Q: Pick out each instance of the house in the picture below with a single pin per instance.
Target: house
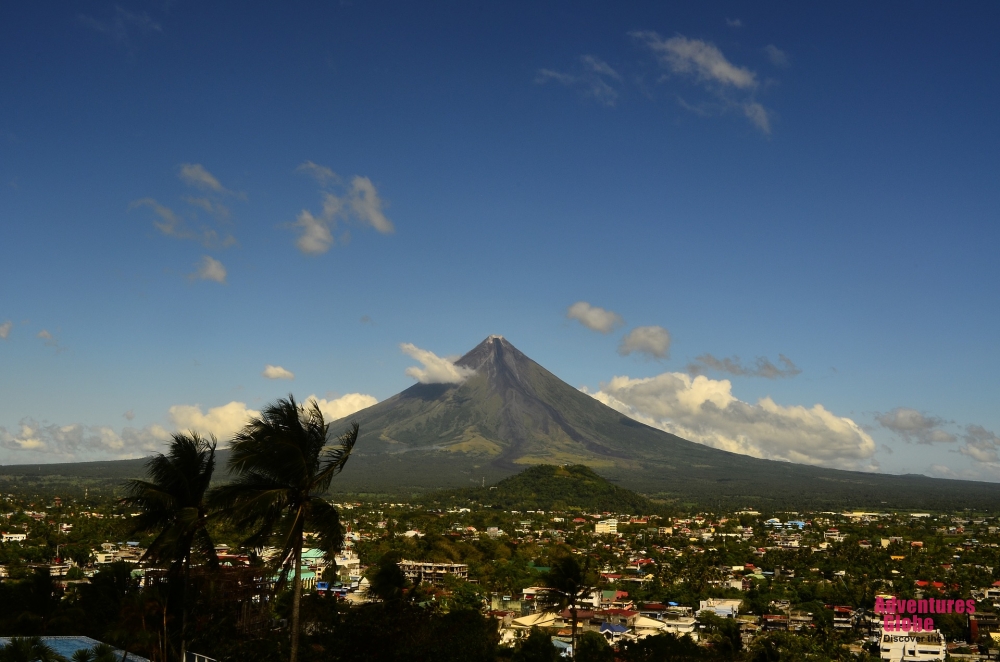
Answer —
(421, 572)
(608, 526)
(721, 607)
(13, 537)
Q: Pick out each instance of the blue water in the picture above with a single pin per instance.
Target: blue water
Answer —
(66, 646)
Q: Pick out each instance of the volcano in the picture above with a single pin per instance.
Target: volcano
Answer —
(511, 413)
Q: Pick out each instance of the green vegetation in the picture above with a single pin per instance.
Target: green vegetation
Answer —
(548, 487)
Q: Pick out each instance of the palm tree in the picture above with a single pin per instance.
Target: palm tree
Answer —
(173, 502)
(283, 465)
(568, 584)
(28, 649)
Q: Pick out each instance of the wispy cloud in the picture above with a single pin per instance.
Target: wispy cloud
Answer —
(653, 341)
(762, 367)
(734, 22)
(594, 318)
(5, 329)
(703, 63)
(209, 269)
(50, 340)
(778, 57)
(594, 77)
(195, 174)
(277, 372)
(359, 202)
(981, 445)
(122, 24)
(174, 225)
(435, 369)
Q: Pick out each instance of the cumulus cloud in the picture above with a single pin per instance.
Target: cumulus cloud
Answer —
(653, 341)
(209, 269)
(343, 406)
(762, 367)
(595, 78)
(359, 203)
(34, 440)
(277, 372)
(981, 445)
(913, 426)
(706, 411)
(778, 57)
(223, 421)
(68, 442)
(436, 369)
(5, 329)
(594, 318)
(174, 225)
(731, 85)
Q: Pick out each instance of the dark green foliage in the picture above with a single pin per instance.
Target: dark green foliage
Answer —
(379, 632)
(549, 487)
(662, 647)
(28, 649)
(536, 647)
(592, 647)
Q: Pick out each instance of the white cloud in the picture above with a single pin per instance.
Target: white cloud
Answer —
(5, 329)
(734, 366)
(129, 415)
(706, 411)
(223, 421)
(343, 406)
(360, 203)
(981, 445)
(217, 209)
(734, 22)
(651, 340)
(914, 426)
(67, 442)
(778, 57)
(209, 269)
(700, 59)
(594, 318)
(194, 174)
(277, 372)
(367, 205)
(436, 369)
(757, 114)
(316, 237)
(732, 86)
(592, 80)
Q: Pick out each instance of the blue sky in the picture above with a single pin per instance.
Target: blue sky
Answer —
(190, 192)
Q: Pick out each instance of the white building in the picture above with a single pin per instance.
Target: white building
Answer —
(14, 537)
(606, 526)
(915, 646)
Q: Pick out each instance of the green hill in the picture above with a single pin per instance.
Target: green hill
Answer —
(549, 487)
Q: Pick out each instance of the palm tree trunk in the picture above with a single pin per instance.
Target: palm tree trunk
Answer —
(572, 609)
(184, 583)
(296, 599)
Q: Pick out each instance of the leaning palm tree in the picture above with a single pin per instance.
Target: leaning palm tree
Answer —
(283, 464)
(568, 584)
(173, 503)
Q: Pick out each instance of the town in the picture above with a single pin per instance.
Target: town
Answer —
(728, 585)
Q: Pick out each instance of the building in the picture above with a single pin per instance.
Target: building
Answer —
(14, 537)
(912, 646)
(420, 572)
(606, 526)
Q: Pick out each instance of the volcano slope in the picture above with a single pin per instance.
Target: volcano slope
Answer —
(511, 413)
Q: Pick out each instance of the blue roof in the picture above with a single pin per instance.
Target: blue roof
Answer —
(612, 627)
